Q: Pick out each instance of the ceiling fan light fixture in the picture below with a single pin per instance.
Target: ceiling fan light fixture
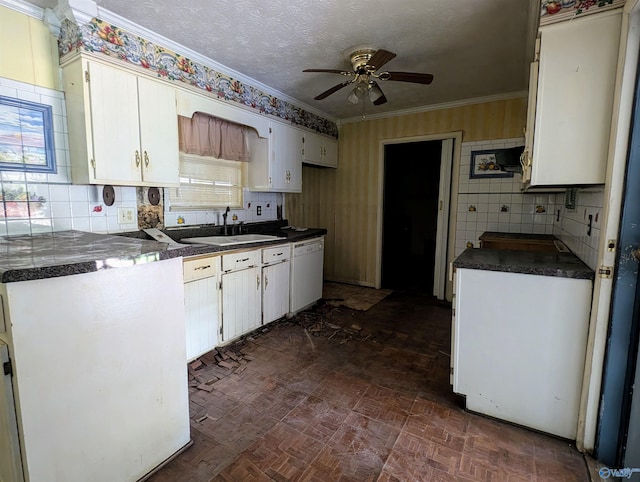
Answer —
(360, 91)
(374, 92)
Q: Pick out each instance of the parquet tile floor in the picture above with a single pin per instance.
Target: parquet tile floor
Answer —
(365, 398)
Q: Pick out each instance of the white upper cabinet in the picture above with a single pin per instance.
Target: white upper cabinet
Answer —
(279, 167)
(319, 150)
(122, 128)
(573, 102)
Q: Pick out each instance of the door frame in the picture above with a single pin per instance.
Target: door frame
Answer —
(445, 255)
(589, 417)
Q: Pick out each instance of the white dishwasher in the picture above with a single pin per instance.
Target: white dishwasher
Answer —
(306, 273)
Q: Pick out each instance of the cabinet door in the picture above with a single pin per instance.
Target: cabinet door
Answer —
(285, 161)
(330, 153)
(576, 83)
(275, 291)
(203, 312)
(158, 132)
(114, 125)
(241, 302)
(312, 148)
(529, 133)
(10, 462)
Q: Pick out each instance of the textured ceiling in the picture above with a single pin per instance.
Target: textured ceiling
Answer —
(474, 48)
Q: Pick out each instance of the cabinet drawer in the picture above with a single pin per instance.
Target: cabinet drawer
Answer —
(241, 260)
(201, 267)
(276, 254)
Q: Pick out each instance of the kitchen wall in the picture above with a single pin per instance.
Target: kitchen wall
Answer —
(346, 200)
(573, 227)
(498, 204)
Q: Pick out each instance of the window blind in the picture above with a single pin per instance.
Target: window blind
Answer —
(207, 183)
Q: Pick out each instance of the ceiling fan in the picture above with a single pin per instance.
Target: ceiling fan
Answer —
(366, 64)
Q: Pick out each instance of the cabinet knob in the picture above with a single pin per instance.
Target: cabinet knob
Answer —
(137, 159)
(146, 159)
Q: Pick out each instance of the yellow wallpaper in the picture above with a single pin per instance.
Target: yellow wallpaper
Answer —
(28, 50)
(345, 200)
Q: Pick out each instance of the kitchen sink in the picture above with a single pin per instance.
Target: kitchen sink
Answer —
(230, 240)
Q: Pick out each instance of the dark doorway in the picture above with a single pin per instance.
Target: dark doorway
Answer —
(410, 214)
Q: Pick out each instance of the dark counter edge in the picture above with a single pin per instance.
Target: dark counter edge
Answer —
(45, 272)
(581, 271)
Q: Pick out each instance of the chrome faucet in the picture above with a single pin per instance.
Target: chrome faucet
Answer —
(224, 217)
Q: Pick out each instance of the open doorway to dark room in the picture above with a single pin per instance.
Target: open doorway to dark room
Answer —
(410, 215)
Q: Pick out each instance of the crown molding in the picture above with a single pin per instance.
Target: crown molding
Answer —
(78, 11)
(145, 33)
(442, 106)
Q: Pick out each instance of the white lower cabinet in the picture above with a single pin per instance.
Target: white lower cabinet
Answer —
(241, 294)
(275, 282)
(99, 384)
(519, 343)
(202, 304)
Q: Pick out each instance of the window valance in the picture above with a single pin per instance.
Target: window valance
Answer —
(206, 135)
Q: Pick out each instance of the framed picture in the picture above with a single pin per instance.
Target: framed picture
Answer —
(484, 165)
(26, 136)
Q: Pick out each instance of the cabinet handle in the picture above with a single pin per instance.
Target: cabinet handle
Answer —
(146, 159)
(203, 267)
(266, 282)
(242, 260)
(257, 281)
(137, 159)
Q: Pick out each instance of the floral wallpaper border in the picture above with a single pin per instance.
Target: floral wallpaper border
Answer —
(99, 36)
(552, 11)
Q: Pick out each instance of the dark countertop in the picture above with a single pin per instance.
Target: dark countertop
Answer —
(525, 236)
(564, 265)
(65, 253)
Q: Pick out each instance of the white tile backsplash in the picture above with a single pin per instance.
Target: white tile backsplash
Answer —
(267, 201)
(488, 196)
(573, 226)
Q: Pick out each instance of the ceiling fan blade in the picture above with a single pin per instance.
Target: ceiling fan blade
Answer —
(414, 77)
(333, 89)
(380, 100)
(380, 58)
(329, 71)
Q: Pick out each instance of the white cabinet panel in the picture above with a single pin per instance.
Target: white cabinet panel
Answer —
(202, 308)
(275, 291)
(158, 132)
(519, 346)
(101, 370)
(114, 124)
(574, 102)
(241, 302)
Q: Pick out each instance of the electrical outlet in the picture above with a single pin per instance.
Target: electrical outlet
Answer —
(126, 215)
(259, 210)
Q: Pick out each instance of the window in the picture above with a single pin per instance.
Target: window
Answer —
(26, 136)
(207, 183)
